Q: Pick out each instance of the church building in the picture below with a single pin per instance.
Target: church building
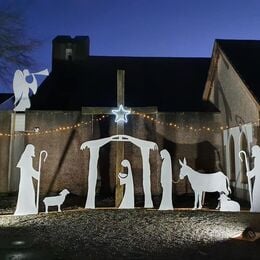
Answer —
(203, 109)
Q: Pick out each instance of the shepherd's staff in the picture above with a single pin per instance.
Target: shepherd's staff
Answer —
(38, 186)
(248, 179)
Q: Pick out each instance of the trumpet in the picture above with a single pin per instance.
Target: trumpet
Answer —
(42, 72)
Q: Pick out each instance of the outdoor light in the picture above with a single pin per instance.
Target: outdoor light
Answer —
(18, 243)
(121, 114)
(36, 129)
(249, 234)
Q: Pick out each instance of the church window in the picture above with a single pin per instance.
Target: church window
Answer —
(244, 147)
(232, 170)
(68, 54)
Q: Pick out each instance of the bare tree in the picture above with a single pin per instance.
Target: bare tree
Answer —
(15, 46)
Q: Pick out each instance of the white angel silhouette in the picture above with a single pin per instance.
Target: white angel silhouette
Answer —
(21, 88)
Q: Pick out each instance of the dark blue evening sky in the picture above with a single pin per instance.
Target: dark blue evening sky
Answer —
(172, 28)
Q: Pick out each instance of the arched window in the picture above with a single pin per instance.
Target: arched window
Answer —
(232, 165)
(244, 147)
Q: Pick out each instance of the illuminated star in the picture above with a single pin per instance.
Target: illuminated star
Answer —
(121, 114)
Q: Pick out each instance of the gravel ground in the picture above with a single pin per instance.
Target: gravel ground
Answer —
(133, 234)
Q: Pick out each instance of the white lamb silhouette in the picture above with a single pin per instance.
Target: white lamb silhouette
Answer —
(55, 200)
(226, 204)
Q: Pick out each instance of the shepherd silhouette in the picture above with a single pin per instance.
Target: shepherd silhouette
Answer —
(255, 173)
(26, 203)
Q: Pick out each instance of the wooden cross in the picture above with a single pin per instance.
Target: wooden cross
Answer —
(119, 131)
(120, 128)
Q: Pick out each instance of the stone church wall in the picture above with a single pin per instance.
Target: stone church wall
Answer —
(5, 127)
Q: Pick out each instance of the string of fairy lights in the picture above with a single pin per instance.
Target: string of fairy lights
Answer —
(191, 127)
(147, 117)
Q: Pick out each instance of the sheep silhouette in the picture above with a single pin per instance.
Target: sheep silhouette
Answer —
(226, 204)
(55, 200)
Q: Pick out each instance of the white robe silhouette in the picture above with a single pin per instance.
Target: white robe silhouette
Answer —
(166, 181)
(128, 201)
(255, 172)
(26, 195)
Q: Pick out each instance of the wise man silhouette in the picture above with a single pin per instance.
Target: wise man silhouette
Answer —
(255, 172)
(26, 195)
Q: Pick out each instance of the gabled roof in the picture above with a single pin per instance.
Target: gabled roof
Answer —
(244, 55)
(171, 84)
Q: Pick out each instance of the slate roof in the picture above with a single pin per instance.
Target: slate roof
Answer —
(244, 55)
(171, 84)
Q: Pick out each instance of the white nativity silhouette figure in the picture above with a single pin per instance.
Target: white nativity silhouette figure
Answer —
(208, 182)
(166, 181)
(145, 147)
(21, 88)
(254, 192)
(128, 201)
(27, 203)
(94, 147)
(226, 204)
(55, 200)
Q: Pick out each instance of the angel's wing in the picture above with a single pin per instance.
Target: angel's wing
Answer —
(18, 85)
